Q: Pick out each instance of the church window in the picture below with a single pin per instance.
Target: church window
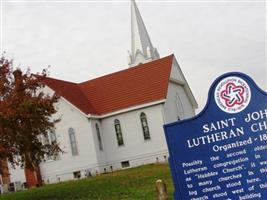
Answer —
(50, 139)
(118, 132)
(46, 139)
(100, 145)
(53, 138)
(179, 107)
(73, 143)
(145, 126)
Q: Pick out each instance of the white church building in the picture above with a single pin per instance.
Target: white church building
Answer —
(116, 121)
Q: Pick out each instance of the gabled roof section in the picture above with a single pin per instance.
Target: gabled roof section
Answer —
(134, 86)
(142, 84)
(71, 92)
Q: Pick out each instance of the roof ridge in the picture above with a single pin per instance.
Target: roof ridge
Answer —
(62, 93)
(127, 69)
(92, 106)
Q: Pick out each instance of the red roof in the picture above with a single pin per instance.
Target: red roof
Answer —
(131, 87)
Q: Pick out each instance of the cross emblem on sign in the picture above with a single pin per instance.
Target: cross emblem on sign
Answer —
(233, 95)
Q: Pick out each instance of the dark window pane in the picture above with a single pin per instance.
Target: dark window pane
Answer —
(118, 132)
(145, 126)
(73, 143)
(100, 145)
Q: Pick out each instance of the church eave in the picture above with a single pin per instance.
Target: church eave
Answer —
(125, 110)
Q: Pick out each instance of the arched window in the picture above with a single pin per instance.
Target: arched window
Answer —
(73, 143)
(46, 139)
(118, 132)
(53, 137)
(50, 138)
(99, 137)
(145, 126)
(53, 140)
(180, 108)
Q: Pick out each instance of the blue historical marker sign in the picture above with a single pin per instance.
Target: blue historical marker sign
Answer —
(222, 153)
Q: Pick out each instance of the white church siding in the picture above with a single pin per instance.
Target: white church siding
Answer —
(136, 150)
(177, 76)
(179, 102)
(17, 174)
(62, 169)
(101, 154)
(176, 72)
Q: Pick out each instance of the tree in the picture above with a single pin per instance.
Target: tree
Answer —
(25, 117)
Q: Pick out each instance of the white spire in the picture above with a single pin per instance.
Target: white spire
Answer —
(142, 49)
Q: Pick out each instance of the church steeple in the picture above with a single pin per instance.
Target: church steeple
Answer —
(142, 50)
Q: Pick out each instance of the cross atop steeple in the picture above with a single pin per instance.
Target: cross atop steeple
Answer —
(142, 50)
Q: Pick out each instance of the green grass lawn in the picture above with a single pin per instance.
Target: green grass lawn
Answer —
(135, 183)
